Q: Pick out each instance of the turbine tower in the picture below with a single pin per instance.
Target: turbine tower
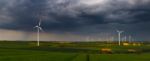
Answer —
(39, 28)
(130, 39)
(125, 39)
(112, 38)
(119, 35)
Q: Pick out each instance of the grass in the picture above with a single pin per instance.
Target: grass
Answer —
(120, 57)
(27, 51)
(29, 55)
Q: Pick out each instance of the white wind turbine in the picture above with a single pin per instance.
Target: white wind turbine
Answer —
(130, 39)
(124, 39)
(112, 38)
(39, 28)
(119, 35)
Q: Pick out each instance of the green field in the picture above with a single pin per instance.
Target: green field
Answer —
(48, 51)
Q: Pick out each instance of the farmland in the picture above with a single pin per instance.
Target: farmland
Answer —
(77, 51)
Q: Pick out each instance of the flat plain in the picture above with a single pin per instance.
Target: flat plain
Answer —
(80, 51)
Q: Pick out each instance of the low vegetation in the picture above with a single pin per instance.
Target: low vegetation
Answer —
(72, 51)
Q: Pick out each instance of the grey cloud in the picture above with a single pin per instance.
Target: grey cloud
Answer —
(71, 14)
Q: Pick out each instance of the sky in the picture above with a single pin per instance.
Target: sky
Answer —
(74, 20)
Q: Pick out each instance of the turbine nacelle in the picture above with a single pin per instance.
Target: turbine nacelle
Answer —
(120, 31)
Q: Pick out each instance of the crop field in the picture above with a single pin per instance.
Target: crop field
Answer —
(81, 51)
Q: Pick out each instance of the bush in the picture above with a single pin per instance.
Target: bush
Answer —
(106, 50)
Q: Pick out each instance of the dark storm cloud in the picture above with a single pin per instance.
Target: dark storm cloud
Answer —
(64, 15)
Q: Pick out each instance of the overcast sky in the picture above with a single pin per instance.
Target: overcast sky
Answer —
(74, 20)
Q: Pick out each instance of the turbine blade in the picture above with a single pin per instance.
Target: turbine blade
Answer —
(41, 29)
(117, 30)
(40, 22)
(36, 27)
(121, 31)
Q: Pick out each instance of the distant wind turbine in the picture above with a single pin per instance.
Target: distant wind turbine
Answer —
(119, 35)
(39, 28)
(130, 39)
(124, 39)
(112, 38)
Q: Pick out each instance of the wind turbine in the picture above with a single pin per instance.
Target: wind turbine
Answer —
(112, 38)
(39, 28)
(130, 39)
(119, 35)
(124, 39)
